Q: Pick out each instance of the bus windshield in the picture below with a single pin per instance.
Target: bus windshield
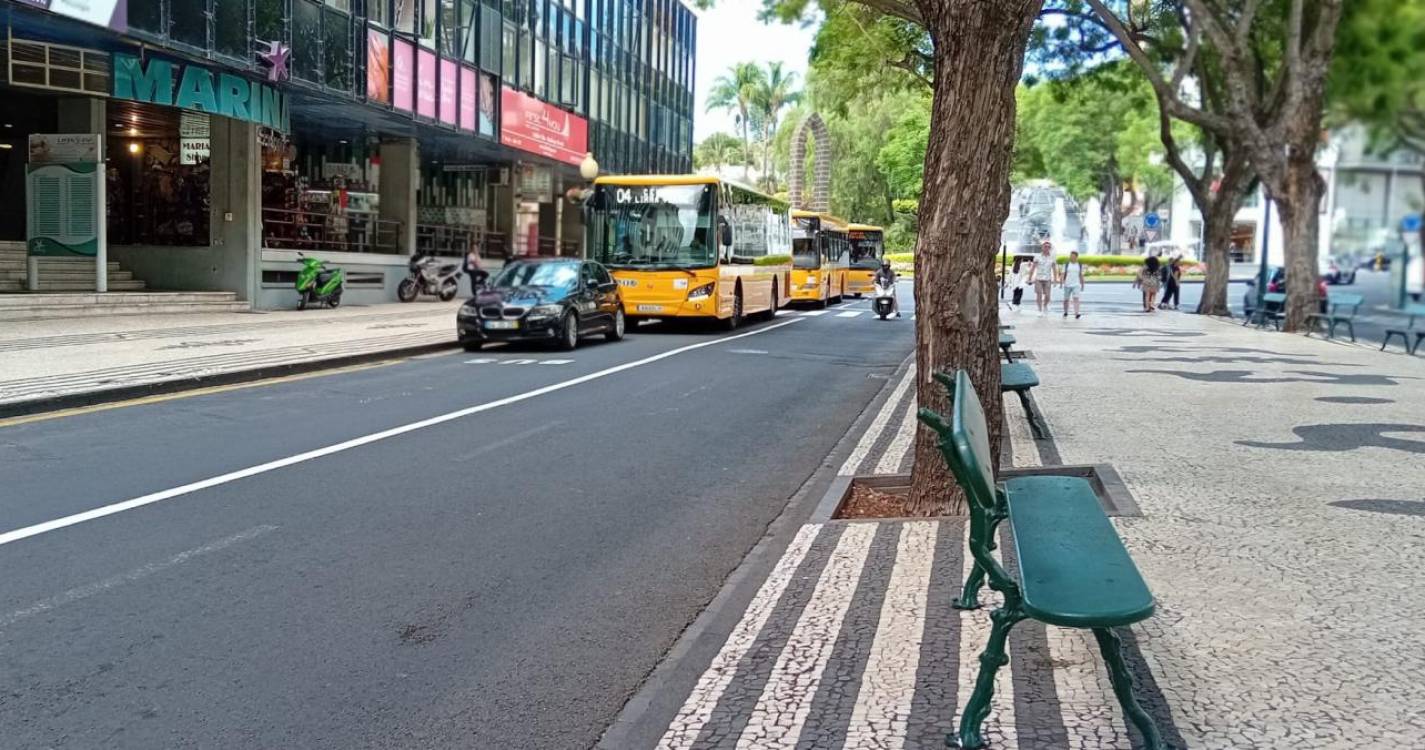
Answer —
(652, 226)
(804, 254)
(865, 250)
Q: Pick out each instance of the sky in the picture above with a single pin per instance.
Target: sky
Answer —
(729, 32)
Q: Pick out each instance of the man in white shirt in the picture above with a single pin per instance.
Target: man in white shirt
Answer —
(1073, 283)
(1044, 274)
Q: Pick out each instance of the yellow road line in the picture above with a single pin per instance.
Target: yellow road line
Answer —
(206, 391)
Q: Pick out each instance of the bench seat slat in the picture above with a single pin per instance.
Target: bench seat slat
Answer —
(1074, 570)
(1017, 376)
(1006, 339)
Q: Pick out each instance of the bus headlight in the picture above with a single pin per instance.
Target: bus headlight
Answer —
(702, 292)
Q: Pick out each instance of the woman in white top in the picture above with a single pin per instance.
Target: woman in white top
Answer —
(1073, 283)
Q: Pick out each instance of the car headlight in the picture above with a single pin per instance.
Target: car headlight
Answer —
(546, 311)
(706, 290)
(469, 312)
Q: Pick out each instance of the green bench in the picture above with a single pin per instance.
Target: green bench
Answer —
(1341, 309)
(1269, 311)
(1074, 571)
(1405, 334)
(1006, 342)
(1019, 377)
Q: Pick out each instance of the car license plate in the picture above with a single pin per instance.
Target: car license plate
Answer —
(650, 308)
(502, 325)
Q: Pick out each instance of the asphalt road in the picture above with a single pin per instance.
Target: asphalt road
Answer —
(481, 551)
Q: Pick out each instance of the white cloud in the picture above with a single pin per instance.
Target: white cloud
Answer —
(728, 33)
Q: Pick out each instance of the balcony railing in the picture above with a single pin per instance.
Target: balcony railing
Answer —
(353, 232)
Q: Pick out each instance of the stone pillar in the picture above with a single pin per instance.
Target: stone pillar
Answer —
(400, 177)
(235, 201)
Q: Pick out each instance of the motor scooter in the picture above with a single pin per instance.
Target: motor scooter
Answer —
(883, 300)
(318, 283)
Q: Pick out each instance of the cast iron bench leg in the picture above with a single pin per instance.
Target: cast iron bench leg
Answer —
(1351, 329)
(1036, 425)
(1391, 333)
(991, 660)
(1111, 647)
(1419, 338)
(970, 593)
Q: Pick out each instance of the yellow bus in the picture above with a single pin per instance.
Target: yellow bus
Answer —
(691, 246)
(820, 254)
(867, 249)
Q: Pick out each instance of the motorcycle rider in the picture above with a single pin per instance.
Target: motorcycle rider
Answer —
(887, 277)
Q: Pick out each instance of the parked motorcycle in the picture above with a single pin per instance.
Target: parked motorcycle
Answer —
(883, 300)
(429, 276)
(318, 283)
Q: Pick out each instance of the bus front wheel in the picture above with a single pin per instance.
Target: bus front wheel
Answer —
(733, 322)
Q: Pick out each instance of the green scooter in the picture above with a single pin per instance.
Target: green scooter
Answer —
(318, 284)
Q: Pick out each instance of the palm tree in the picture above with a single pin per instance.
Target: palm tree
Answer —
(717, 150)
(776, 91)
(736, 92)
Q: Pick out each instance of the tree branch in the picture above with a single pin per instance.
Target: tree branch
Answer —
(898, 8)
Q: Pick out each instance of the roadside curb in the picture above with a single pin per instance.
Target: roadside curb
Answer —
(33, 406)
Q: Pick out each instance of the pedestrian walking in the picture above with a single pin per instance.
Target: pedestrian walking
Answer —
(472, 268)
(1149, 279)
(1172, 283)
(1073, 283)
(1044, 273)
(1019, 280)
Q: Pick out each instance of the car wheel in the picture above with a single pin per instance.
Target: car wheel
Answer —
(569, 339)
(472, 346)
(616, 328)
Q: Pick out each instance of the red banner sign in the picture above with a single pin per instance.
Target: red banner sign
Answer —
(529, 124)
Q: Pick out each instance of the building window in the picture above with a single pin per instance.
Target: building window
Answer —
(271, 20)
(428, 23)
(190, 23)
(306, 40)
(469, 23)
(378, 11)
(148, 16)
(406, 15)
(230, 28)
(508, 68)
(336, 36)
(490, 39)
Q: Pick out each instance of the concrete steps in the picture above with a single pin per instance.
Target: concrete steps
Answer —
(40, 305)
(59, 274)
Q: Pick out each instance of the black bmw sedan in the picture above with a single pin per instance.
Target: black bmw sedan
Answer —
(544, 299)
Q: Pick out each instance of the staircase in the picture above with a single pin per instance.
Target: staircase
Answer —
(66, 290)
(59, 274)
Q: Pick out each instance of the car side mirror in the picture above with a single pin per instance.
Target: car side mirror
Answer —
(725, 234)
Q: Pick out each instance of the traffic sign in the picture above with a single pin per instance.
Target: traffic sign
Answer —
(1151, 220)
(1411, 223)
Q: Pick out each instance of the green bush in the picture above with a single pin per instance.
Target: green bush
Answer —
(773, 260)
(1106, 260)
(901, 257)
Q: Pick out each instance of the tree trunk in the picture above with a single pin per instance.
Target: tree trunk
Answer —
(746, 149)
(979, 54)
(1218, 220)
(1299, 206)
(1115, 218)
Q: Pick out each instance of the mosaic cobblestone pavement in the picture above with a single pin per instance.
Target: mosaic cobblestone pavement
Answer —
(1282, 535)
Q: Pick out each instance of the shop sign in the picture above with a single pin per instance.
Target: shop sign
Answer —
(403, 75)
(64, 194)
(449, 100)
(190, 86)
(425, 84)
(110, 13)
(194, 150)
(528, 124)
(536, 183)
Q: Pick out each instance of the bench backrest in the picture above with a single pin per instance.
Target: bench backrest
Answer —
(965, 440)
(1353, 301)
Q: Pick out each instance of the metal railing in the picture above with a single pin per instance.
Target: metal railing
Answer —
(445, 239)
(354, 232)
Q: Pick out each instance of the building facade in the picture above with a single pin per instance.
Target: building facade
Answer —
(236, 134)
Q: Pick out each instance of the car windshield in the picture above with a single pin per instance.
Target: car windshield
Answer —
(652, 226)
(558, 275)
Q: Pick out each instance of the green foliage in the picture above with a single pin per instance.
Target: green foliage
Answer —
(719, 150)
(736, 92)
(1089, 130)
(772, 260)
(1378, 72)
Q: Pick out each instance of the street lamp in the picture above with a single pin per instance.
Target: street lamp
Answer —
(589, 168)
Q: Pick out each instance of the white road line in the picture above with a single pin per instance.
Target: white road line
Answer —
(900, 444)
(138, 502)
(850, 314)
(84, 592)
(888, 685)
(878, 425)
(814, 313)
(781, 713)
(700, 704)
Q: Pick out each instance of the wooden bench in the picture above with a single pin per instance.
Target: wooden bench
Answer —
(1341, 309)
(1006, 342)
(1019, 377)
(1405, 334)
(1073, 570)
(1269, 311)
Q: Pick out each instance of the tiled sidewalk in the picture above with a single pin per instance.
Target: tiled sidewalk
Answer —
(51, 358)
(1280, 480)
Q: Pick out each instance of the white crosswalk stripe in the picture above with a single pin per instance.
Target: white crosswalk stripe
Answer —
(850, 314)
(814, 313)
